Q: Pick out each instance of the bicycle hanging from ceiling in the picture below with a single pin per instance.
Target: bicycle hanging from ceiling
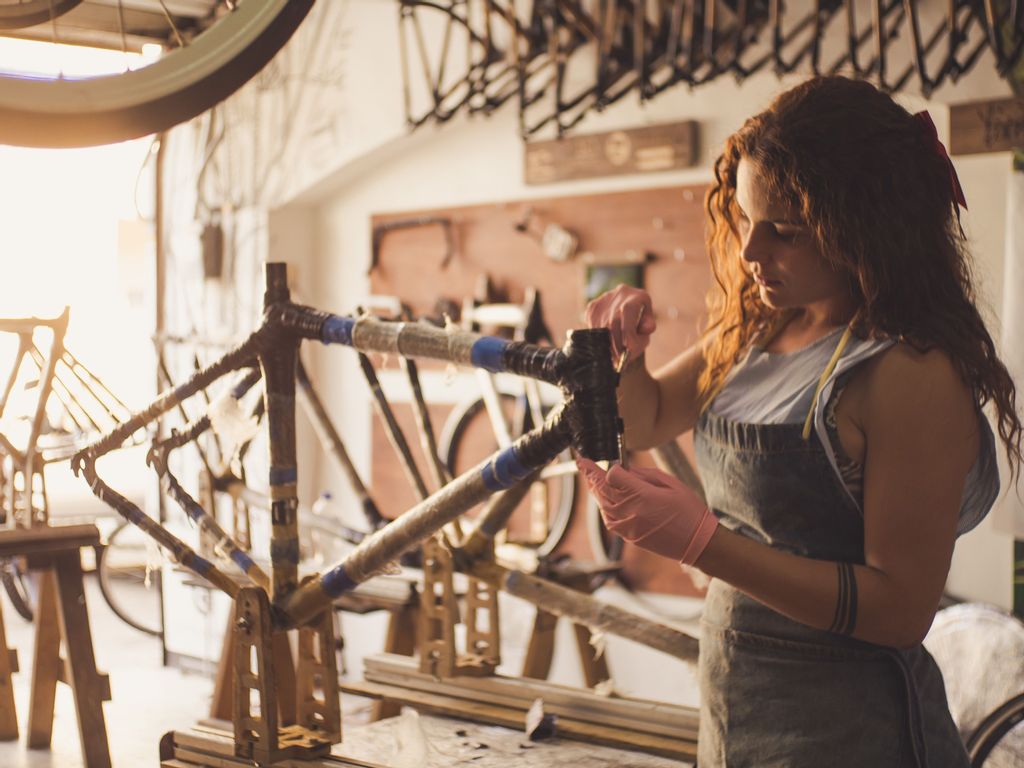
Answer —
(561, 59)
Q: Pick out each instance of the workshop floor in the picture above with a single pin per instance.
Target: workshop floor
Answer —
(146, 698)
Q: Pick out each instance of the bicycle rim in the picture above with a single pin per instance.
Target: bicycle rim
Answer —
(27, 14)
(991, 732)
(38, 112)
(455, 433)
(122, 572)
(13, 579)
(606, 547)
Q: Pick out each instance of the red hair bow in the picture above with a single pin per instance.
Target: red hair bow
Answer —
(928, 126)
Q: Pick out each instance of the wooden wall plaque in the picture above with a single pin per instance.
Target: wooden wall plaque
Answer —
(635, 150)
(993, 125)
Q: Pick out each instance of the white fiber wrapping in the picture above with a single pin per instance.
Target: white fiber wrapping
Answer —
(411, 745)
(1008, 516)
(231, 423)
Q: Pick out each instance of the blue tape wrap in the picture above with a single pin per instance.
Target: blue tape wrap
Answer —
(505, 470)
(201, 565)
(193, 510)
(488, 353)
(283, 475)
(337, 330)
(242, 560)
(336, 581)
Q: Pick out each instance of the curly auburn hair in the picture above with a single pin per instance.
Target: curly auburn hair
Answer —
(877, 197)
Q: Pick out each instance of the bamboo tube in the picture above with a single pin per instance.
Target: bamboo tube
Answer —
(502, 470)
(279, 361)
(179, 550)
(479, 542)
(226, 545)
(417, 340)
(240, 357)
(587, 610)
(391, 428)
(329, 435)
(428, 441)
(157, 459)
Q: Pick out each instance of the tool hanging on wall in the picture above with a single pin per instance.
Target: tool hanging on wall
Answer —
(420, 221)
(556, 242)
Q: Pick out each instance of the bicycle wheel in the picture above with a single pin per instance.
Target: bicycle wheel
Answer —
(605, 546)
(998, 742)
(26, 14)
(970, 643)
(129, 582)
(13, 576)
(67, 112)
(541, 519)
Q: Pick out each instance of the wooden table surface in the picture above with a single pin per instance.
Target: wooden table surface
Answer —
(393, 743)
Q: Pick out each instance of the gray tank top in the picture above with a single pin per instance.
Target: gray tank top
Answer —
(778, 388)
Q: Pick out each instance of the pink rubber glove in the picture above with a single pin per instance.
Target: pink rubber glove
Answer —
(651, 509)
(628, 315)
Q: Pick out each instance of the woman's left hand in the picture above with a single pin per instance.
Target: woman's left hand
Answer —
(651, 509)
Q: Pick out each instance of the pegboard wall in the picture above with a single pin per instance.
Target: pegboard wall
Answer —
(425, 257)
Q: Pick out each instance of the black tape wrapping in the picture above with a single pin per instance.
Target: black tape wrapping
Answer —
(589, 383)
(540, 446)
(545, 363)
(298, 319)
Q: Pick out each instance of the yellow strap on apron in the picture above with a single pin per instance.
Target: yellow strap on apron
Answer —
(843, 340)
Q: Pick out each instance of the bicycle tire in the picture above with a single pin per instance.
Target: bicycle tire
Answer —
(33, 12)
(993, 729)
(13, 577)
(39, 112)
(454, 433)
(605, 546)
(117, 567)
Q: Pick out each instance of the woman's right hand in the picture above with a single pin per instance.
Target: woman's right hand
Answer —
(628, 315)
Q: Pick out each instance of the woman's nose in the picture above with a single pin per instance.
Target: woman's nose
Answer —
(754, 247)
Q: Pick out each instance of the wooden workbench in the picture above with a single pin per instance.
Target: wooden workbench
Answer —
(450, 743)
(458, 742)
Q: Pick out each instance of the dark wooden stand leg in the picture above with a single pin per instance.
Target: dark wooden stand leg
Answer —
(542, 643)
(45, 662)
(401, 638)
(88, 687)
(541, 649)
(8, 666)
(223, 686)
(595, 668)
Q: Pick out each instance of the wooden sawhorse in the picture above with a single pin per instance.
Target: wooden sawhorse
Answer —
(399, 598)
(61, 616)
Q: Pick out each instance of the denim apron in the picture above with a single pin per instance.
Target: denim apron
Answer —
(775, 692)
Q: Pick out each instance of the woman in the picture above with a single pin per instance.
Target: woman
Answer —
(836, 406)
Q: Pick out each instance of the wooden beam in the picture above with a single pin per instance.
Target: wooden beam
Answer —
(519, 693)
(514, 718)
(29, 541)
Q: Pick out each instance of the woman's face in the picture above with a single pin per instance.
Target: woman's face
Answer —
(778, 249)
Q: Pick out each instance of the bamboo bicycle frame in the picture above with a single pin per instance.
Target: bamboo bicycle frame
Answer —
(588, 421)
